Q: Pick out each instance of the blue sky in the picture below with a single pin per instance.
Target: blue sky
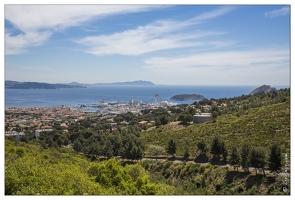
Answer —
(165, 44)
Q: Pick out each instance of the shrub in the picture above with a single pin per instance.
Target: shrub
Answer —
(194, 168)
(20, 151)
(218, 187)
(167, 173)
(203, 182)
(207, 171)
(201, 169)
(167, 164)
(240, 189)
(93, 170)
(252, 190)
(198, 181)
(208, 165)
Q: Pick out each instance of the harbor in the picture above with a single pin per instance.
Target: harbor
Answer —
(117, 107)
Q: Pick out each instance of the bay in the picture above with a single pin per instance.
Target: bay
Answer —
(110, 93)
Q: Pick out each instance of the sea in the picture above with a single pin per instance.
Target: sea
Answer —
(26, 98)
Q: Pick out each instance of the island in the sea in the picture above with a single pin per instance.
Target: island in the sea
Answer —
(188, 97)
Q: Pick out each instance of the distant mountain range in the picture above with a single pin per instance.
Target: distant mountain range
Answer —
(36, 85)
(139, 83)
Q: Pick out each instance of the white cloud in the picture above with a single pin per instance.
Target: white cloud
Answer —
(18, 44)
(239, 67)
(278, 12)
(141, 41)
(220, 59)
(38, 22)
(155, 36)
(213, 14)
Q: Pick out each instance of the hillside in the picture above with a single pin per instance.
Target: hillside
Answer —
(33, 170)
(258, 127)
(50, 171)
(206, 179)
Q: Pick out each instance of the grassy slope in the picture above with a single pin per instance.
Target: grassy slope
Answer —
(257, 127)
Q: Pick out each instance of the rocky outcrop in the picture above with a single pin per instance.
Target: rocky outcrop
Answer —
(263, 89)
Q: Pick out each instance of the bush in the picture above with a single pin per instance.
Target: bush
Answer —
(20, 151)
(167, 173)
(203, 182)
(240, 189)
(198, 181)
(201, 169)
(167, 164)
(93, 171)
(252, 190)
(218, 187)
(208, 165)
(194, 168)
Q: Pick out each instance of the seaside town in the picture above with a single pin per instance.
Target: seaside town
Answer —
(43, 118)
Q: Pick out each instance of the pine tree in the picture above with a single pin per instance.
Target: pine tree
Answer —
(223, 150)
(171, 147)
(218, 148)
(129, 149)
(186, 154)
(275, 158)
(155, 150)
(77, 146)
(202, 147)
(139, 153)
(258, 159)
(234, 157)
(108, 149)
(186, 118)
(245, 155)
(215, 147)
(157, 122)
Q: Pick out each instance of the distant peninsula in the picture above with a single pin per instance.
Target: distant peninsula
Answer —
(133, 83)
(36, 85)
(263, 89)
(188, 97)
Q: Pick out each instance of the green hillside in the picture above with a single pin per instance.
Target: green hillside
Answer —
(32, 170)
(257, 127)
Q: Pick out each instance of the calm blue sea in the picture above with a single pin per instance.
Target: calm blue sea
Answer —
(93, 94)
